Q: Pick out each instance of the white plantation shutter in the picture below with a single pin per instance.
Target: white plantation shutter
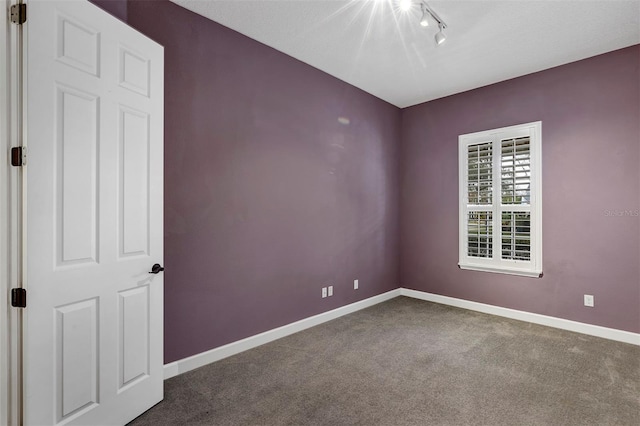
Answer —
(480, 234)
(479, 196)
(500, 200)
(515, 167)
(480, 173)
(516, 236)
(516, 170)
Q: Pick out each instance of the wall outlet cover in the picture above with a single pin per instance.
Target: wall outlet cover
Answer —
(324, 292)
(589, 300)
(355, 284)
(330, 290)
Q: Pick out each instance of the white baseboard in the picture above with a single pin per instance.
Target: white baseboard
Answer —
(187, 364)
(578, 327)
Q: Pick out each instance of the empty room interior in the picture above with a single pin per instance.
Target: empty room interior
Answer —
(397, 212)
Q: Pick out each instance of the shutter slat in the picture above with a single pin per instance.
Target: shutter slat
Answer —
(480, 174)
(515, 171)
(516, 236)
(480, 234)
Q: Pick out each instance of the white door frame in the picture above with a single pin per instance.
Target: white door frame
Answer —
(10, 220)
(4, 332)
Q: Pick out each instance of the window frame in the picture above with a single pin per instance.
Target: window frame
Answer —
(532, 267)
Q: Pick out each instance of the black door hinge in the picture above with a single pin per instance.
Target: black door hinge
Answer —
(18, 156)
(19, 13)
(18, 297)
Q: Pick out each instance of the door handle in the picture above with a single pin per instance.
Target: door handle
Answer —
(156, 269)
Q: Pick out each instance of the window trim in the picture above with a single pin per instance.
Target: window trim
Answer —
(496, 264)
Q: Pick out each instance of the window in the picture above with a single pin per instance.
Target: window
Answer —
(500, 200)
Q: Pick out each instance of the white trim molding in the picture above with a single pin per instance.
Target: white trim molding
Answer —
(187, 364)
(10, 218)
(564, 324)
(175, 368)
(5, 146)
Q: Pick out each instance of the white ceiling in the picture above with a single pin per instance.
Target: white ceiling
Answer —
(372, 45)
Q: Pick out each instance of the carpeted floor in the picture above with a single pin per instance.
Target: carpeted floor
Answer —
(410, 362)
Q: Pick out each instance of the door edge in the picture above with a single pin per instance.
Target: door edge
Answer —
(10, 220)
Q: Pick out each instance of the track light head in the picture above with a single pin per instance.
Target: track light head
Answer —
(424, 21)
(440, 37)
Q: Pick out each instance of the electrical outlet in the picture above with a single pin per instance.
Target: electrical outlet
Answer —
(330, 291)
(589, 300)
(355, 284)
(324, 292)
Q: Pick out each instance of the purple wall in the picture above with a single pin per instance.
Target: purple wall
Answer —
(268, 197)
(590, 112)
(117, 8)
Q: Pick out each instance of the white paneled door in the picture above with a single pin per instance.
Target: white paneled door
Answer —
(94, 138)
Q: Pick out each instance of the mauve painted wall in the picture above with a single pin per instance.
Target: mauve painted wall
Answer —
(255, 219)
(590, 113)
(268, 197)
(117, 8)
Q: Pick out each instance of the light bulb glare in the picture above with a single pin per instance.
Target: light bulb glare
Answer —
(405, 5)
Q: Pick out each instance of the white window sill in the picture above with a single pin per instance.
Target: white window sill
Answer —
(501, 270)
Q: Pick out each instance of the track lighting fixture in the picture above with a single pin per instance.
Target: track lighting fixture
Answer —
(424, 20)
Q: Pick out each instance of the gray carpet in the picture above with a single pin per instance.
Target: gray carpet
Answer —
(409, 362)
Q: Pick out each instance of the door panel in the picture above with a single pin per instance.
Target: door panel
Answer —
(134, 335)
(134, 182)
(94, 126)
(78, 44)
(76, 354)
(76, 170)
(134, 71)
